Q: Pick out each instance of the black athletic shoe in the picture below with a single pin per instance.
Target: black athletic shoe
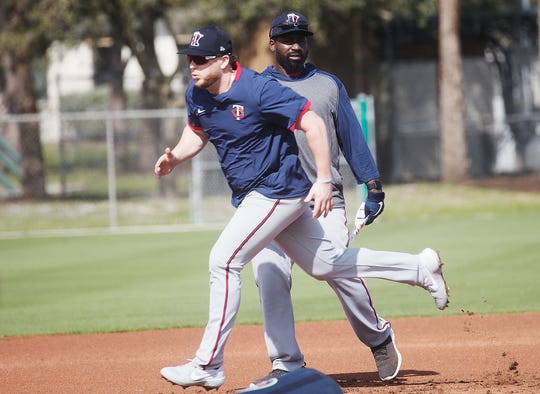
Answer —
(387, 358)
(276, 373)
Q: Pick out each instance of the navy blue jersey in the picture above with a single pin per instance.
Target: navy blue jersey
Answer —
(251, 126)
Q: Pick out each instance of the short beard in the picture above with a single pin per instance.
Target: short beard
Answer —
(290, 66)
(207, 82)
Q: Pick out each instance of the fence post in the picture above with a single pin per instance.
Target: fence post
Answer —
(195, 191)
(62, 165)
(111, 173)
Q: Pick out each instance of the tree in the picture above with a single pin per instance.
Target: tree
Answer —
(138, 22)
(454, 160)
(96, 21)
(27, 28)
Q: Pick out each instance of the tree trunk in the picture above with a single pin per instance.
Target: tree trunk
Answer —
(150, 137)
(118, 103)
(156, 94)
(21, 99)
(454, 160)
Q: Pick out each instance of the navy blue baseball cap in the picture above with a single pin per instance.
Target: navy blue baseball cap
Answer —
(289, 22)
(208, 41)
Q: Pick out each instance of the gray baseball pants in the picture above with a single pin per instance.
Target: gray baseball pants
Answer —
(259, 220)
(272, 270)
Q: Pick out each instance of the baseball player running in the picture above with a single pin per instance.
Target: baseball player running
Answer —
(249, 119)
(272, 268)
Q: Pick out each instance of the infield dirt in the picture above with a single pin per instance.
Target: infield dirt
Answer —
(445, 354)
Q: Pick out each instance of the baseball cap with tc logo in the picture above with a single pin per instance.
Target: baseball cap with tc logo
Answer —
(208, 41)
(289, 22)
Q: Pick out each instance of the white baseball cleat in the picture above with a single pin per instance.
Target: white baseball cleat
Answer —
(432, 278)
(191, 374)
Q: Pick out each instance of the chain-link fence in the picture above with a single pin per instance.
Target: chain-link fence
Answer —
(99, 166)
(99, 173)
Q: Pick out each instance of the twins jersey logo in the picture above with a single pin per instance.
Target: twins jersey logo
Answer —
(238, 111)
(195, 39)
(292, 19)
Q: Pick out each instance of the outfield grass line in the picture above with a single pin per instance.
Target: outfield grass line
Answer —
(123, 230)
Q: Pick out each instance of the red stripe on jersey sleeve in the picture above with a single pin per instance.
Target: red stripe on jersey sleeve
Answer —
(304, 110)
(195, 128)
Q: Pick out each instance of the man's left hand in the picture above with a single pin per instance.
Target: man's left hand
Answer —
(373, 206)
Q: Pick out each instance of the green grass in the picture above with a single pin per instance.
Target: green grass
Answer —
(103, 283)
(121, 282)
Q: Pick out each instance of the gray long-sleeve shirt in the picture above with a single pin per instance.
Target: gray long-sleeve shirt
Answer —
(329, 99)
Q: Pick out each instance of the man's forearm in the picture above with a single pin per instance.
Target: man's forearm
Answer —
(317, 139)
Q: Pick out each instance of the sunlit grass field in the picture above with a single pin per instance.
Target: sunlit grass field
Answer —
(116, 281)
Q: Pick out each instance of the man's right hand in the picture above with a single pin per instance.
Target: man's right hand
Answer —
(165, 164)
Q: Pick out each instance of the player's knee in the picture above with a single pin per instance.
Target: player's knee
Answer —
(217, 261)
(320, 275)
(268, 275)
(322, 271)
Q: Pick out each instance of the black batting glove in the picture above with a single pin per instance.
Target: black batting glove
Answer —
(373, 206)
